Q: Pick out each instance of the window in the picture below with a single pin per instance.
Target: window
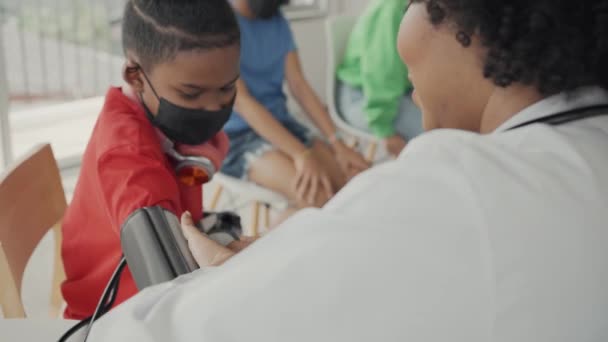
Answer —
(5, 148)
(302, 9)
(58, 58)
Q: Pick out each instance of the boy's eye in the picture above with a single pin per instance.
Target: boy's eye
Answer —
(190, 96)
(228, 88)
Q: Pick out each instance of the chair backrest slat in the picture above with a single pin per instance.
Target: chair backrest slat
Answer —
(338, 30)
(32, 201)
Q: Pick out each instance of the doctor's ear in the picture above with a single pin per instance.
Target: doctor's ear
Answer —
(132, 74)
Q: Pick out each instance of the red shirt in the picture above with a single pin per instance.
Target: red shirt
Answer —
(123, 168)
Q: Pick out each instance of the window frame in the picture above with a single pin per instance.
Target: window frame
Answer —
(6, 153)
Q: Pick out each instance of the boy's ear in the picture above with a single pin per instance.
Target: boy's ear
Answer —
(131, 73)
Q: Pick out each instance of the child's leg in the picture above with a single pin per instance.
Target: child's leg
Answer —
(351, 102)
(408, 122)
(275, 170)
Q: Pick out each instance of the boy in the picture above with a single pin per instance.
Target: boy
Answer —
(182, 65)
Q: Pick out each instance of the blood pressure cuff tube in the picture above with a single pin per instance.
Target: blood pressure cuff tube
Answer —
(155, 247)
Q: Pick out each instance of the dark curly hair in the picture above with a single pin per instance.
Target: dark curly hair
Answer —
(554, 45)
(155, 30)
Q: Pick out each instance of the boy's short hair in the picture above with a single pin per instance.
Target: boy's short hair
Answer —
(156, 30)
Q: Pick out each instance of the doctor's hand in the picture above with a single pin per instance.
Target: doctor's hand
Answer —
(242, 243)
(206, 252)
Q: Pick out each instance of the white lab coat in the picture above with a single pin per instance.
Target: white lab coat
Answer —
(471, 238)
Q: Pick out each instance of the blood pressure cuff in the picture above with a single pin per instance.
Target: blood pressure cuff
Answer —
(221, 227)
(155, 247)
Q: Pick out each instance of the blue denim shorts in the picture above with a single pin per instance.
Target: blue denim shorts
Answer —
(351, 103)
(246, 146)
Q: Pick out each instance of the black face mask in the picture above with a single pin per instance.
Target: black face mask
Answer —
(266, 9)
(185, 125)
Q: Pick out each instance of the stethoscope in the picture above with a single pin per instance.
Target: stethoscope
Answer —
(189, 170)
(567, 117)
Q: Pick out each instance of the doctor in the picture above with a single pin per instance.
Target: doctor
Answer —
(493, 226)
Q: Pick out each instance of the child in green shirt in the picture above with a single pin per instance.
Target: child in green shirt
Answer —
(373, 87)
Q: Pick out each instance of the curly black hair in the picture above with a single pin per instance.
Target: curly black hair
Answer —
(155, 30)
(554, 45)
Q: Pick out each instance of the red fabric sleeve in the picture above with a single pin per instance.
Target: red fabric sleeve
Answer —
(134, 177)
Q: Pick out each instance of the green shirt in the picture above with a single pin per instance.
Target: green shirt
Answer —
(372, 63)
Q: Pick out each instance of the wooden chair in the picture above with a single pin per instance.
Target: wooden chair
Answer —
(260, 199)
(32, 202)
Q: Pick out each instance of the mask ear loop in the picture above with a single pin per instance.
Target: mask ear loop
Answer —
(141, 97)
(149, 83)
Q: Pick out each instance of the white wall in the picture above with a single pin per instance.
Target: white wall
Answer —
(311, 40)
(354, 7)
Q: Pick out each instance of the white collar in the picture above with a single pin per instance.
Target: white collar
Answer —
(583, 97)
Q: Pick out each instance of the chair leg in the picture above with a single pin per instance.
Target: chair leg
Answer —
(255, 225)
(10, 298)
(371, 151)
(266, 216)
(58, 275)
(216, 197)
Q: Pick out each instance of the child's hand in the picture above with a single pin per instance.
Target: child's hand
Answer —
(395, 144)
(311, 180)
(206, 252)
(350, 161)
